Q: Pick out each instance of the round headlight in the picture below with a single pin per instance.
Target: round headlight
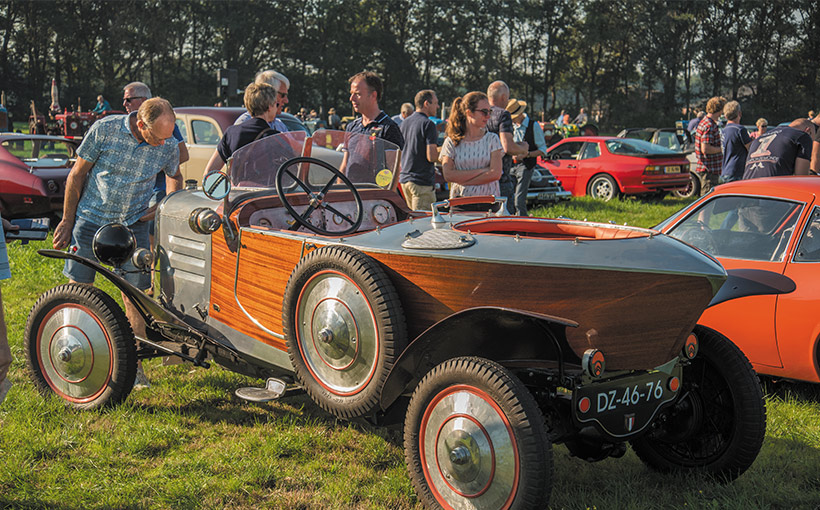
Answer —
(113, 244)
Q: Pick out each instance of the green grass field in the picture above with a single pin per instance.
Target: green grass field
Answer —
(188, 442)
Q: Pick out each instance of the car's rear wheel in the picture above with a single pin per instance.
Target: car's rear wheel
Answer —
(603, 187)
(79, 346)
(718, 423)
(344, 328)
(691, 190)
(475, 438)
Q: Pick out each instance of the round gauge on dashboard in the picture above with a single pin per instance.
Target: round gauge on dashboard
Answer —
(380, 213)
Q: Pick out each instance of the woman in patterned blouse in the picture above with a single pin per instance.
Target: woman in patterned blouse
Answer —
(471, 156)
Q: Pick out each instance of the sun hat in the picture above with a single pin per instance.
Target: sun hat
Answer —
(516, 107)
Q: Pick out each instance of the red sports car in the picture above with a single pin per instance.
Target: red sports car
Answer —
(606, 167)
(33, 170)
(771, 224)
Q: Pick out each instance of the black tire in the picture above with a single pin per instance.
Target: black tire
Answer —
(719, 421)
(692, 190)
(603, 187)
(79, 346)
(343, 354)
(487, 413)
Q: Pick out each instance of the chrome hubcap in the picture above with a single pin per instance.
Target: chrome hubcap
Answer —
(337, 333)
(469, 450)
(75, 353)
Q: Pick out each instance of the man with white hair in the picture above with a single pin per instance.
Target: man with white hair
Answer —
(279, 82)
(501, 123)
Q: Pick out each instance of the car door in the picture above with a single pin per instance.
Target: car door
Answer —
(201, 134)
(796, 319)
(562, 162)
(745, 232)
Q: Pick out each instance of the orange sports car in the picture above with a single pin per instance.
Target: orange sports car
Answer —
(771, 224)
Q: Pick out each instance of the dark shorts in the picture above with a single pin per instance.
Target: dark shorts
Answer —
(83, 235)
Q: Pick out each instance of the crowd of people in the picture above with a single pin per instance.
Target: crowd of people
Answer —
(734, 154)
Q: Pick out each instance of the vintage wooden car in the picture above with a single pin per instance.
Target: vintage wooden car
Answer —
(490, 336)
(770, 224)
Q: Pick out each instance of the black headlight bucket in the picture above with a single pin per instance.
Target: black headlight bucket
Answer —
(113, 244)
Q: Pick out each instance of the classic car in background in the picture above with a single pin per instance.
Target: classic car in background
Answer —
(771, 224)
(676, 139)
(492, 337)
(203, 126)
(607, 167)
(33, 172)
(545, 188)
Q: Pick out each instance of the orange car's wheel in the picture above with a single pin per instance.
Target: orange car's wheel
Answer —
(344, 328)
(475, 438)
(79, 346)
(718, 423)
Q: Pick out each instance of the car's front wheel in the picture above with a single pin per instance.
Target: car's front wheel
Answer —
(79, 346)
(718, 423)
(603, 187)
(475, 438)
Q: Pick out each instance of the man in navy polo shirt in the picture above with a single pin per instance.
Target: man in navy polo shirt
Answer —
(365, 94)
(420, 153)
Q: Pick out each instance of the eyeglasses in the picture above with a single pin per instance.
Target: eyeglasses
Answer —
(764, 125)
(485, 111)
(282, 94)
(129, 99)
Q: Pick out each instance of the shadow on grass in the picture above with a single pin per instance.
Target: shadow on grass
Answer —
(785, 389)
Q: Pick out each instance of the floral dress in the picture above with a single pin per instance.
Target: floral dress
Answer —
(469, 156)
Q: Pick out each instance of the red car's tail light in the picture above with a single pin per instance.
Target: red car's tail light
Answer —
(653, 170)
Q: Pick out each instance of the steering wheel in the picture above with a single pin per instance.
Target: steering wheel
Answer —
(316, 200)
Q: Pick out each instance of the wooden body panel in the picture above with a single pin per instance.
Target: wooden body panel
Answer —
(638, 320)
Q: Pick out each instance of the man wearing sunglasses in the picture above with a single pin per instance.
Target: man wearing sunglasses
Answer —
(501, 124)
(281, 84)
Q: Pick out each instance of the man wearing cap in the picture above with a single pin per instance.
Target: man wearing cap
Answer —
(333, 120)
(530, 132)
(420, 153)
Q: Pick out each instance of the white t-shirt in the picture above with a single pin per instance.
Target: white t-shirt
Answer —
(470, 156)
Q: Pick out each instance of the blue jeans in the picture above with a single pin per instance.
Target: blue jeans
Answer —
(81, 238)
(522, 178)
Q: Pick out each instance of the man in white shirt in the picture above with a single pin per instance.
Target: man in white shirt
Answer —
(530, 133)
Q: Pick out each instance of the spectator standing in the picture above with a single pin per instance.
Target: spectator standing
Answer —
(783, 150)
(5, 351)
(762, 124)
(260, 100)
(111, 181)
(707, 145)
(471, 156)
(528, 131)
(500, 123)
(582, 118)
(420, 153)
(693, 124)
(365, 93)
(281, 84)
(736, 142)
(333, 120)
(406, 111)
(102, 106)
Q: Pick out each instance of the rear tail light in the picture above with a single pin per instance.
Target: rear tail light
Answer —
(690, 347)
(653, 170)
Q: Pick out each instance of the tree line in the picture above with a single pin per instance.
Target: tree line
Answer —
(632, 62)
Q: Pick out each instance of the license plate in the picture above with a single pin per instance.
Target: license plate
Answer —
(626, 405)
(672, 169)
(545, 197)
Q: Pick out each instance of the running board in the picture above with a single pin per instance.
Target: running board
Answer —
(274, 389)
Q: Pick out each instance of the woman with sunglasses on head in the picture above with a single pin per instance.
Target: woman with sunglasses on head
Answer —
(470, 155)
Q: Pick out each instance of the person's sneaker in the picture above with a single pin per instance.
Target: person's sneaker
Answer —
(5, 386)
(141, 381)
